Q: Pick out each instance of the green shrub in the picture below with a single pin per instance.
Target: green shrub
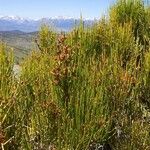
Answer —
(82, 89)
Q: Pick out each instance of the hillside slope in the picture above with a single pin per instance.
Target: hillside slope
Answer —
(21, 42)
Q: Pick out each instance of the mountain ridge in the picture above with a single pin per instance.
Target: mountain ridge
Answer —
(11, 23)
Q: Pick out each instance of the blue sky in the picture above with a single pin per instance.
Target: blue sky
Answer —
(51, 8)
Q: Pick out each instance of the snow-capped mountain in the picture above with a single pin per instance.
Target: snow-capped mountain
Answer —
(12, 18)
(10, 23)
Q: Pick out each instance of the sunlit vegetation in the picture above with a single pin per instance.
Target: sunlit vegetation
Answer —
(84, 90)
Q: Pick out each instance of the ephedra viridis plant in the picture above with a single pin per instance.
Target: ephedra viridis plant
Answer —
(84, 89)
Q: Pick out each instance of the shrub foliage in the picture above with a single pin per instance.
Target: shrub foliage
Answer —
(85, 89)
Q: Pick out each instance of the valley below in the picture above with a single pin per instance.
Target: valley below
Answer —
(22, 43)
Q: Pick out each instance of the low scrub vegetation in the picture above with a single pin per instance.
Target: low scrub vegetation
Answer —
(88, 89)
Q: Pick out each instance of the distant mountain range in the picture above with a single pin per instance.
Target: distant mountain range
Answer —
(11, 23)
(20, 33)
